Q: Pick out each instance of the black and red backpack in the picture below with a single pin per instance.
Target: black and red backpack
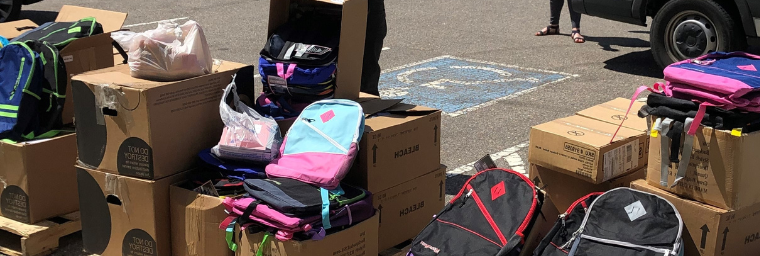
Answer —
(557, 241)
(491, 215)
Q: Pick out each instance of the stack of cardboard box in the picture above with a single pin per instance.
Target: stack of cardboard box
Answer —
(718, 198)
(135, 139)
(38, 180)
(573, 156)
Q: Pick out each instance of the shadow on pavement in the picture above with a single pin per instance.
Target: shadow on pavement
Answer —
(607, 43)
(455, 183)
(38, 17)
(635, 63)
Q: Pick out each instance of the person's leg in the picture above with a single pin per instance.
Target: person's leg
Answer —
(373, 46)
(555, 9)
(575, 19)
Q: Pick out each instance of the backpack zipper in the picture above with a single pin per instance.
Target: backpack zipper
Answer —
(626, 244)
(18, 78)
(487, 215)
(335, 143)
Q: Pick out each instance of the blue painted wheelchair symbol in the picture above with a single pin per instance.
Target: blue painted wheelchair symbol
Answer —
(457, 85)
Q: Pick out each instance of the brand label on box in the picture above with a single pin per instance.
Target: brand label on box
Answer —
(135, 158)
(137, 242)
(621, 160)
(14, 204)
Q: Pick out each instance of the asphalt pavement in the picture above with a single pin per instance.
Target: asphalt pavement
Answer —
(551, 77)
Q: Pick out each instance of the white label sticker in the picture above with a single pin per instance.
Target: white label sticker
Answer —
(68, 58)
(276, 81)
(621, 159)
(635, 210)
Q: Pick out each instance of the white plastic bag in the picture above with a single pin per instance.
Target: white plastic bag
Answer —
(170, 52)
(247, 135)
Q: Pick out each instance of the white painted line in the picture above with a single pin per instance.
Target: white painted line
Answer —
(256, 76)
(153, 22)
(386, 48)
(513, 159)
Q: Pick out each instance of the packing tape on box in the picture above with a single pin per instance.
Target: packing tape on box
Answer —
(118, 188)
(107, 97)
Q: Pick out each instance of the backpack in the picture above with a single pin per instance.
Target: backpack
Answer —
(556, 241)
(248, 212)
(53, 84)
(231, 169)
(20, 92)
(300, 58)
(321, 145)
(60, 34)
(297, 198)
(491, 215)
(628, 222)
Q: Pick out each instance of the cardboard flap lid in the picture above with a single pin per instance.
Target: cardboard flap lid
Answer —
(110, 20)
(373, 106)
(411, 110)
(586, 130)
(13, 29)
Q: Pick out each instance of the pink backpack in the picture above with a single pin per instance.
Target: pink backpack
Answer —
(320, 147)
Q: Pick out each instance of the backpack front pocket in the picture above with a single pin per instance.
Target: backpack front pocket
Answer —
(587, 245)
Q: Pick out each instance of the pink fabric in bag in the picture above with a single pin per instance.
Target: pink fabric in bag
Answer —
(321, 171)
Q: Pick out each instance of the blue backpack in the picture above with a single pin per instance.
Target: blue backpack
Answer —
(32, 90)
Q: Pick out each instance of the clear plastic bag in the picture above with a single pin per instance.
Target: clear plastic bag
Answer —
(170, 52)
(247, 135)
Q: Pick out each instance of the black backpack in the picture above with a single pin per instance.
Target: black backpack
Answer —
(491, 215)
(60, 34)
(628, 222)
(557, 241)
(53, 86)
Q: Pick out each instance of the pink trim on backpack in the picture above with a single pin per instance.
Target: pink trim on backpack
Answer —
(323, 166)
(281, 70)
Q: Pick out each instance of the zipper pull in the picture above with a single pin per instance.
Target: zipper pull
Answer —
(575, 235)
(562, 217)
(469, 193)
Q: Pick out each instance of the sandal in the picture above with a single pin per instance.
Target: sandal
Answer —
(579, 39)
(550, 30)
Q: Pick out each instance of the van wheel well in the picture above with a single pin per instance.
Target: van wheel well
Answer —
(654, 6)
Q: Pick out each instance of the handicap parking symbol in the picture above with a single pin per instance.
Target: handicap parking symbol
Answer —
(457, 85)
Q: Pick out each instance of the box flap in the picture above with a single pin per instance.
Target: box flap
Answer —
(110, 20)
(411, 110)
(589, 131)
(375, 105)
(13, 29)
(614, 112)
(120, 75)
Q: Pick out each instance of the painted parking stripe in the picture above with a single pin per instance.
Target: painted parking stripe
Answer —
(153, 22)
(513, 159)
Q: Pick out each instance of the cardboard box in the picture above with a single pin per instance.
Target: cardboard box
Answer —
(124, 215)
(147, 129)
(581, 146)
(614, 112)
(358, 240)
(81, 55)
(399, 144)
(38, 180)
(195, 222)
(404, 210)
(565, 189)
(352, 34)
(723, 170)
(541, 227)
(711, 231)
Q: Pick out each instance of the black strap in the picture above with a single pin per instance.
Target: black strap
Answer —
(675, 136)
(121, 51)
(244, 218)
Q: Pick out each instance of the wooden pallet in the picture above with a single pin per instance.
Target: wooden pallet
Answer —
(19, 239)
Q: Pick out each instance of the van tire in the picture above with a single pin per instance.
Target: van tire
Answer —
(11, 13)
(722, 29)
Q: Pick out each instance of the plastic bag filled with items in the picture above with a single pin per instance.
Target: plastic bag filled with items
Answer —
(170, 52)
